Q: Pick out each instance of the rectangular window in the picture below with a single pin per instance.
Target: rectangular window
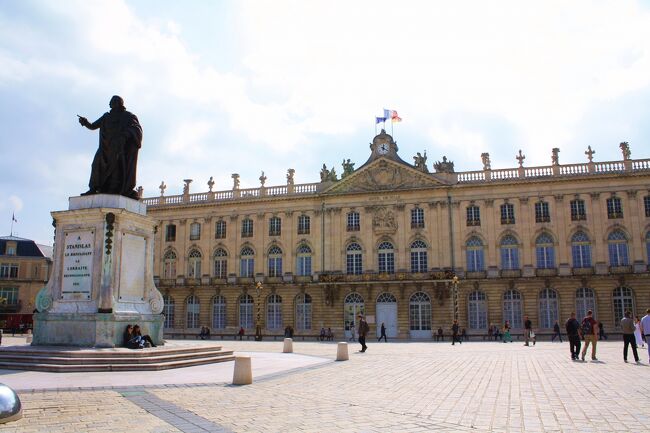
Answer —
(646, 205)
(247, 228)
(275, 226)
(11, 249)
(507, 213)
(542, 214)
(473, 216)
(9, 270)
(220, 230)
(417, 218)
(614, 208)
(354, 224)
(170, 233)
(195, 231)
(221, 268)
(578, 212)
(304, 225)
(10, 294)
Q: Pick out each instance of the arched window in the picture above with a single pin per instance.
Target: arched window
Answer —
(544, 251)
(193, 309)
(303, 311)
(246, 311)
(509, 253)
(617, 246)
(475, 261)
(304, 260)
(247, 262)
(218, 312)
(419, 261)
(386, 298)
(194, 264)
(386, 258)
(585, 301)
(477, 310)
(623, 300)
(512, 308)
(353, 306)
(168, 311)
(220, 263)
(581, 250)
(354, 258)
(275, 261)
(169, 264)
(548, 308)
(420, 312)
(274, 312)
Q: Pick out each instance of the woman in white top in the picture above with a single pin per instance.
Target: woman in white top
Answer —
(637, 332)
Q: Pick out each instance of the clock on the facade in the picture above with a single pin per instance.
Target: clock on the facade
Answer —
(383, 148)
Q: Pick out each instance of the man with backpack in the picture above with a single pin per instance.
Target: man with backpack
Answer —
(589, 332)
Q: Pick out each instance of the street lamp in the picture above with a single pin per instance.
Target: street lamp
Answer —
(454, 286)
(258, 323)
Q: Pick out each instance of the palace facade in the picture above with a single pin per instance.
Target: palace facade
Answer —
(386, 240)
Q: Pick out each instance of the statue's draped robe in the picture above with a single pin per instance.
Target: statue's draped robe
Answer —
(114, 165)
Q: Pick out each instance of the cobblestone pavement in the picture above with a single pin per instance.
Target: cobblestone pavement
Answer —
(394, 387)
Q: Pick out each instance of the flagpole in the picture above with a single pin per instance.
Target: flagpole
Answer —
(13, 217)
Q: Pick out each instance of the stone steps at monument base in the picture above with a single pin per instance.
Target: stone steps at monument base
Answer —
(47, 364)
(119, 352)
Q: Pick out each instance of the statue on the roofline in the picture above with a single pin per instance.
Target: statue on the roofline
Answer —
(115, 163)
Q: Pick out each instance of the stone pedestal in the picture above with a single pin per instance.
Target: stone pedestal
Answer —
(103, 275)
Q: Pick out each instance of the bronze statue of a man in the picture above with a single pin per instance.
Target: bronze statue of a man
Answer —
(115, 163)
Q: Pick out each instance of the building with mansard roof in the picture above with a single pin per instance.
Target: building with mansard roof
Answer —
(387, 239)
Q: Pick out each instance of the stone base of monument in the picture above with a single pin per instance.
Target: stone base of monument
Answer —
(61, 359)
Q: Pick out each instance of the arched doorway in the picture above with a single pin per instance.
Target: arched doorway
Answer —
(420, 315)
(353, 306)
(387, 313)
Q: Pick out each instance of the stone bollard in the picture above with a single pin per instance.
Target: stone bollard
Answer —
(10, 407)
(243, 373)
(288, 346)
(342, 351)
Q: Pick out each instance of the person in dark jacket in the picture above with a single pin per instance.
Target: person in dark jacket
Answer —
(383, 333)
(573, 334)
(556, 332)
(363, 331)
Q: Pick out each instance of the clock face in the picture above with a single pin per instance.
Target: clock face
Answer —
(383, 149)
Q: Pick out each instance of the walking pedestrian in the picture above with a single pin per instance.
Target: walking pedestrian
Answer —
(439, 336)
(588, 327)
(556, 332)
(507, 338)
(572, 327)
(455, 328)
(645, 330)
(627, 327)
(637, 333)
(363, 331)
(383, 333)
(601, 332)
(528, 330)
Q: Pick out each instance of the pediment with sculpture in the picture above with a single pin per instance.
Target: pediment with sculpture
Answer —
(384, 175)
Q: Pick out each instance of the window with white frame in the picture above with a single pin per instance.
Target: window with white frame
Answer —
(475, 262)
(354, 259)
(507, 213)
(246, 262)
(220, 263)
(219, 312)
(169, 264)
(512, 308)
(170, 233)
(220, 229)
(275, 226)
(274, 312)
(509, 249)
(193, 309)
(473, 215)
(477, 310)
(542, 214)
(169, 310)
(304, 224)
(10, 295)
(353, 221)
(275, 261)
(614, 208)
(585, 301)
(194, 264)
(246, 311)
(617, 247)
(304, 260)
(545, 251)
(419, 261)
(581, 250)
(417, 218)
(386, 256)
(578, 212)
(195, 231)
(623, 300)
(8, 270)
(247, 228)
(548, 308)
(303, 311)
(646, 205)
(420, 312)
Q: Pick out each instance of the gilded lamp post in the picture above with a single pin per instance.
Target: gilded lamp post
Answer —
(454, 289)
(258, 318)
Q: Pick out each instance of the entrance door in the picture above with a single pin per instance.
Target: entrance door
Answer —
(420, 315)
(387, 314)
(352, 308)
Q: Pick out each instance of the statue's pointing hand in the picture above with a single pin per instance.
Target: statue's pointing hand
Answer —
(83, 121)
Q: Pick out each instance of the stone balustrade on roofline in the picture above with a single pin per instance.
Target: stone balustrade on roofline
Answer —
(466, 177)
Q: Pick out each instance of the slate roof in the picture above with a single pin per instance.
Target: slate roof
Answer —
(25, 247)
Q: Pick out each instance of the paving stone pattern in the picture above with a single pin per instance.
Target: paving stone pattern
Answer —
(394, 387)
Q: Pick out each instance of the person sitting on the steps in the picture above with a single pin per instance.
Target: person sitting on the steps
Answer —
(140, 340)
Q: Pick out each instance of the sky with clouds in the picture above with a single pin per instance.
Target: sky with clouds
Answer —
(224, 87)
